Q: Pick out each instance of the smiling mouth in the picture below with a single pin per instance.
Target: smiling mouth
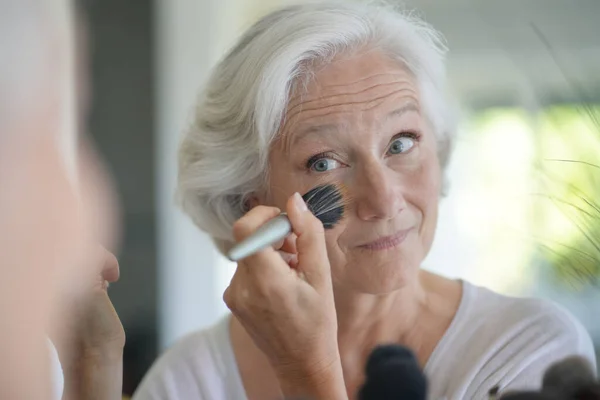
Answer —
(387, 242)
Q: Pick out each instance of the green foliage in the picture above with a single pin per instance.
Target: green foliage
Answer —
(568, 216)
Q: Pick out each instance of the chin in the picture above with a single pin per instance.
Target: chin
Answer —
(380, 275)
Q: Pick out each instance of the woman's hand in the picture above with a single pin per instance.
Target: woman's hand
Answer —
(91, 343)
(100, 329)
(286, 305)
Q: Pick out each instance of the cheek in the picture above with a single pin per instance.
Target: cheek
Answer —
(426, 178)
(336, 252)
(283, 183)
(40, 211)
(430, 185)
(276, 197)
(426, 198)
(99, 199)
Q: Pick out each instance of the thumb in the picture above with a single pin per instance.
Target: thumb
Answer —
(310, 243)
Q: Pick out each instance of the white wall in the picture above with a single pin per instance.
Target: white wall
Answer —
(191, 36)
(186, 257)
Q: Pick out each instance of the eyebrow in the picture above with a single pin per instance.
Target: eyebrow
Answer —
(319, 129)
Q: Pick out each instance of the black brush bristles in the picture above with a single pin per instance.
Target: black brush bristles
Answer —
(327, 203)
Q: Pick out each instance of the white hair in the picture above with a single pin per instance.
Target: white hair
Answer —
(223, 156)
(37, 67)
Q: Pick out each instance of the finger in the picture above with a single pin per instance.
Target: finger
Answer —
(294, 263)
(268, 271)
(253, 219)
(289, 244)
(268, 276)
(265, 261)
(290, 258)
(237, 293)
(279, 244)
(310, 242)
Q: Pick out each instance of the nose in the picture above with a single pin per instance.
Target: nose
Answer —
(378, 194)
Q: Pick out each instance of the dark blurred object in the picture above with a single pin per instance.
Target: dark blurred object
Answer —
(570, 379)
(140, 352)
(569, 376)
(393, 372)
(531, 396)
(589, 393)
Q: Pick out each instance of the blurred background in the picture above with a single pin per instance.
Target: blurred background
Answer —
(522, 215)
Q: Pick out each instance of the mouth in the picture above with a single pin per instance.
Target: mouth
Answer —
(387, 242)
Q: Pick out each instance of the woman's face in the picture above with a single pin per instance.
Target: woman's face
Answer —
(60, 211)
(360, 124)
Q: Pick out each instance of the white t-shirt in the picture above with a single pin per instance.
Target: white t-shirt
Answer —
(57, 378)
(493, 340)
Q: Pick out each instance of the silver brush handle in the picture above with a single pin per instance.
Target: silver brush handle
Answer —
(271, 232)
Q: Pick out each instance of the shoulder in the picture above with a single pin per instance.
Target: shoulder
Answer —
(536, 334)
(509, 342)
(537, 322)
(195, 367)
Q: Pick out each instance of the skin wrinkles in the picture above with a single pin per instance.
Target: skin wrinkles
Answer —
(293, 105)
(291, 130)
(389, 74)
(300, 99)
(318, 130)
(315, 133)
(367, 104)
(303, 101)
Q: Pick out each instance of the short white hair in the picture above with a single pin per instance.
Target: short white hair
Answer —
(224, 155)
(37, 67)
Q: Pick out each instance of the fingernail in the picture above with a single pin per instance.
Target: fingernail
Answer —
(299, 201)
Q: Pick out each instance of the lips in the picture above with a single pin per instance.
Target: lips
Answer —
(387, 242)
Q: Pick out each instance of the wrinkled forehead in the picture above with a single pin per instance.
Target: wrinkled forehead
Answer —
(368, 84)
(349, 73)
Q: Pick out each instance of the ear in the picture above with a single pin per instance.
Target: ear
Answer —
(251, 202)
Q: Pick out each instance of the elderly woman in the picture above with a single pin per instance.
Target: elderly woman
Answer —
(353, 95)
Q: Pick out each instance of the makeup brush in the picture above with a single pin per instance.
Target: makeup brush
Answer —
(393, 372)
(326, 202)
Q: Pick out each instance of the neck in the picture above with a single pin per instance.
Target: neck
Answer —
(365, 320)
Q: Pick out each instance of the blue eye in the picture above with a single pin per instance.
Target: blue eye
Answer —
(401, 145)
(324, 164)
